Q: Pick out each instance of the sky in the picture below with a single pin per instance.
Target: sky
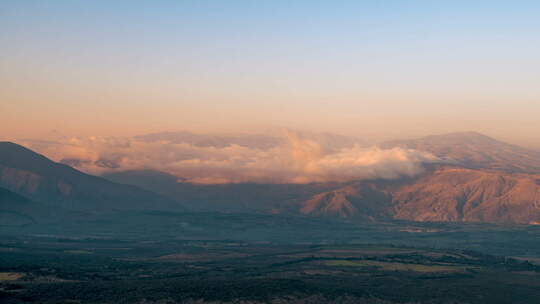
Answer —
(374, 69)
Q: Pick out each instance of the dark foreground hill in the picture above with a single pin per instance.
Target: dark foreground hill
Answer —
(16, 210)
(34, 176)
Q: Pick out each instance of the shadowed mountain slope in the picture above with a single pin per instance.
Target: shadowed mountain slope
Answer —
(152, 180)
(248, 197)
(16, 210)
(30, 174)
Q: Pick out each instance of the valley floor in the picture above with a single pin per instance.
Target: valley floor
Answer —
(53, 269)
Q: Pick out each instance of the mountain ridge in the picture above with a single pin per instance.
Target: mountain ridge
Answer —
(482, 185)
(34, 176)
(474, 150)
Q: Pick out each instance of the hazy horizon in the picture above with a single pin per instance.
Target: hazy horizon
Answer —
(368, 138)
(399, 70)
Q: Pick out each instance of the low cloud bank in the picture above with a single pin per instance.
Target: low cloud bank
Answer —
(295, 159)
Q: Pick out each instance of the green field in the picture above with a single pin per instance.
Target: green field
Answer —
(393, 266)
(10, 276)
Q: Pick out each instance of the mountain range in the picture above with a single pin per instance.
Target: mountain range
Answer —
(474, 150)
(253, 141)
(481, 180)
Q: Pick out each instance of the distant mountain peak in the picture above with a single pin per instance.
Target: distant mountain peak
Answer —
(467, 135)
(474, 150)
(464, 133)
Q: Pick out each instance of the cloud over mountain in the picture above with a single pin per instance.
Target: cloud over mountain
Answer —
(289, 157)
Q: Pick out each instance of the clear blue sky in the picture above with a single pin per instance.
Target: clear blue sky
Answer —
(380, 68)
